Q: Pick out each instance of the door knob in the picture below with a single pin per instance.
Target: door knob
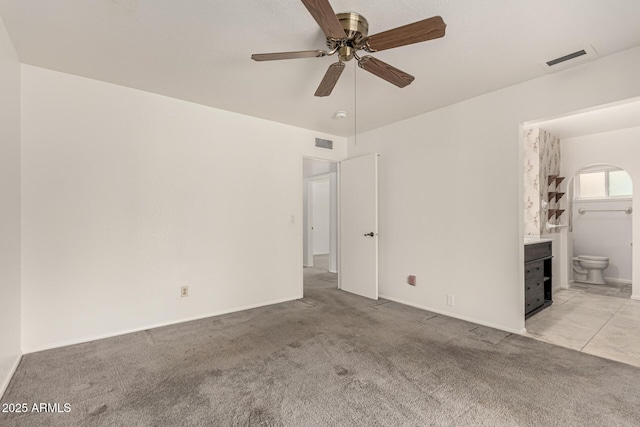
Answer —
(370, 234)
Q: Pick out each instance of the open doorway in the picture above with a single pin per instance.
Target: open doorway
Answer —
(320, 224)
(586, 211)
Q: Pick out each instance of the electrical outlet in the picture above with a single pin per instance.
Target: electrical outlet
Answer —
(450, 300)
(184, 291)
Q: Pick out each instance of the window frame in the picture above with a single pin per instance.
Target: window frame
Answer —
(606, 171)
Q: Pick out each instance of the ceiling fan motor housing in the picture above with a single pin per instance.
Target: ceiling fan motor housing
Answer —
(356, 29)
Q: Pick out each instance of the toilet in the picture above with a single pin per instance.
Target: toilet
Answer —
(588, 269)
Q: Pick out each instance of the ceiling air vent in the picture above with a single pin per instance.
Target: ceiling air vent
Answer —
(324, 143)
(566, 57)
(569, 60)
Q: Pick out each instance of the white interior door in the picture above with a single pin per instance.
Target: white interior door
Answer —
(359, 225)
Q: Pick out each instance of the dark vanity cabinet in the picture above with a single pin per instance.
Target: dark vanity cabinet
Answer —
(537, 277)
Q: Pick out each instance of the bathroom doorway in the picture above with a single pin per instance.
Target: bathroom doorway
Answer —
(593, 214)
(602, 137)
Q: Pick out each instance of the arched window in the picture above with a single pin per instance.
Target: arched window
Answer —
(603, 182)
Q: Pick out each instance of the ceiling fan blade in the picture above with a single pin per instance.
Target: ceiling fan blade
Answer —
(288, 55)
(385, 71)
(326, 18)
(330, 79)
(421, 31)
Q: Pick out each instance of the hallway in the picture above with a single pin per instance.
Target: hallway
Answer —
(318, 276)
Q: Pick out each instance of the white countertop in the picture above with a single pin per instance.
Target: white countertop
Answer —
(533, 240)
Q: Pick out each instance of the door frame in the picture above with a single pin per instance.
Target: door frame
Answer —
(303, 182)
(331, 178)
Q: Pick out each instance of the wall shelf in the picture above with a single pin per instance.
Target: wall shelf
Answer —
(555, 179)
(554, 213)
(554, 195)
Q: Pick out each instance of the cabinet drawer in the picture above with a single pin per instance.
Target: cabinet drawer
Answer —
(533, 269)
(533, 286)
(533, 302)
(537, 250)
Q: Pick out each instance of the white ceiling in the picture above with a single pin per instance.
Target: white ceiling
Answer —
(602, 119)
(199, 50)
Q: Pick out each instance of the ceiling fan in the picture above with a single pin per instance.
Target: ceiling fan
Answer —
(347, 33)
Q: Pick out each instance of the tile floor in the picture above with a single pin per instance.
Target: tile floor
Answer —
(595, 319)
(609, 289)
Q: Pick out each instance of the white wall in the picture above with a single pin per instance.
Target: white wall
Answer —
(321, 217)
(129, 195)
(451, 185)
(9, 208)
(608, 234)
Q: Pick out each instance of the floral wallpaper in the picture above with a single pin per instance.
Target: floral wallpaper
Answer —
(531, 183)
(541, 159)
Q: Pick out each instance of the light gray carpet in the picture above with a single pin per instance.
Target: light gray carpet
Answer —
(330, 359)
(319, 276)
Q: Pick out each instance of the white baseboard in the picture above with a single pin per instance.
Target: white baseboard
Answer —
(568, 286)
(616, 280)
(606, 279)
(36, 349)
(12, 371)
(457, 316)
(635, 297)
